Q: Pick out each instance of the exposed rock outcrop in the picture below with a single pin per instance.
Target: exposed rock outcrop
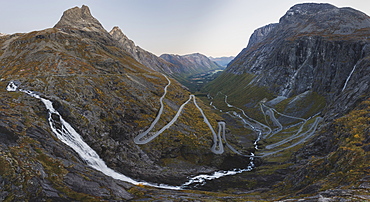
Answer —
(144, 57)
(313, 47)
(260, 33)
(79, 18)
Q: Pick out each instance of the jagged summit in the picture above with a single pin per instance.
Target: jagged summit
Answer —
(117, 30)
(79, 18)
(118, 34)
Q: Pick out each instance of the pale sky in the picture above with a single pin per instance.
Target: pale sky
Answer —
(211, 27)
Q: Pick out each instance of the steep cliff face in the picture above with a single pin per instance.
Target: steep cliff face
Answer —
(144, 57)
(192, 63)
(260, 33)
(314, 47)
(314, 62)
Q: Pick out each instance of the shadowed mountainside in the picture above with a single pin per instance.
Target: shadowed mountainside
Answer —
(315, 61)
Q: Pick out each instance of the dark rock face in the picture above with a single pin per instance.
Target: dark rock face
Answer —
(314, 47)
(192, 63)
(260, 33)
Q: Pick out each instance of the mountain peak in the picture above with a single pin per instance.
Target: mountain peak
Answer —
(323, 18)
(117, 33)
(79, 18)
(306, 10)
(116, 28)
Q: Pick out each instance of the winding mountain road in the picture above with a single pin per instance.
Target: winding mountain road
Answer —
(69, 136)
(145, 137)
(258, 127)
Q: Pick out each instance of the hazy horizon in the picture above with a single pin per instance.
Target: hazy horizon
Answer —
(214, 28)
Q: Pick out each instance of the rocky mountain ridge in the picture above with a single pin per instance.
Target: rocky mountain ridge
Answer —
(144, 57)
(79, 18)
(108, 97)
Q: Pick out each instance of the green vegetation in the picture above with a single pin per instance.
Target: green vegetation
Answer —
(305, 106)
(239, 91)
(346, 164)
(195, 82)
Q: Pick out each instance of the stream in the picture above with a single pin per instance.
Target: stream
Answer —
(66, 133)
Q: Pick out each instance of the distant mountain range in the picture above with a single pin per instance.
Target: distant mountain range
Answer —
(144, 57)
(222, 61)
(167, 63)
(191, 63)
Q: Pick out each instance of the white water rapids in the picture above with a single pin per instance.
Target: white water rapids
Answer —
(65, 132)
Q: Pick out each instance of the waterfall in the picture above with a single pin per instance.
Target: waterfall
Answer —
(349, 76)
(68, 135)
(65, 133)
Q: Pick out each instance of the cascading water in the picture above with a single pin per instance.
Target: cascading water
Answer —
(349, 77)
(65, 132)
(201, 180)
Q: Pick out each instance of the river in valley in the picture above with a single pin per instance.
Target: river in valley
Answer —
(68, 135)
